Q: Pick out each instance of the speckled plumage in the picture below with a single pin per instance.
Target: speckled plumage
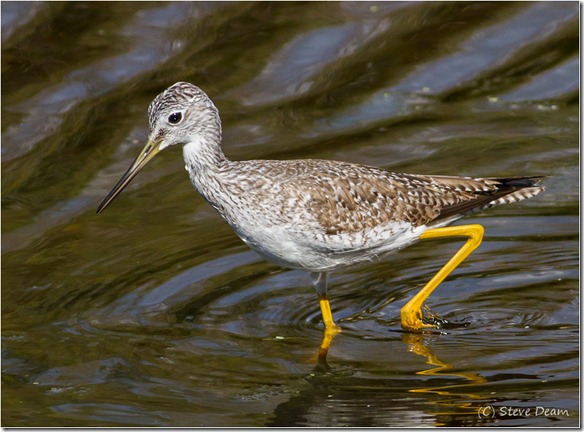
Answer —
(315, 215)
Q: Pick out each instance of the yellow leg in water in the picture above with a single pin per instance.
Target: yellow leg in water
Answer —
(330, 328)
(411, 313)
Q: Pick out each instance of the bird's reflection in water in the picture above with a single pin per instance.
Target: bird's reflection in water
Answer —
(347, 397)
(455, 397)
(416, 344)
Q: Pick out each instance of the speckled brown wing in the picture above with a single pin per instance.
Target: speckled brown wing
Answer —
(347, 198)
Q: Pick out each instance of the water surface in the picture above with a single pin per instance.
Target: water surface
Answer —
(155, 314)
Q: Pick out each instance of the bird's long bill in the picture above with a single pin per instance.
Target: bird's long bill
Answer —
(150, 150)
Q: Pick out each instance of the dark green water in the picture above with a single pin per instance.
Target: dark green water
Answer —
(155, 314)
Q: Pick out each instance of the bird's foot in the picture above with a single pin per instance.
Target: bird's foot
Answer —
(418, 320)
(412, 320)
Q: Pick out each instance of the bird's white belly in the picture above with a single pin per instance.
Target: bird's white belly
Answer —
(303, 249)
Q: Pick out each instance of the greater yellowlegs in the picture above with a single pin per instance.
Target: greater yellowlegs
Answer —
(319, 215)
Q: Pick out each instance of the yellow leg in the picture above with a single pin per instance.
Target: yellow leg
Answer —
(330, 328)
(327, 315)
(320, 280)
(411, 313)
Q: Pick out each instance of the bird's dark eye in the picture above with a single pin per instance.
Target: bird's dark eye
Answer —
(175, 118)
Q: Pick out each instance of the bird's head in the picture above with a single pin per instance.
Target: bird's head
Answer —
(181, 114)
